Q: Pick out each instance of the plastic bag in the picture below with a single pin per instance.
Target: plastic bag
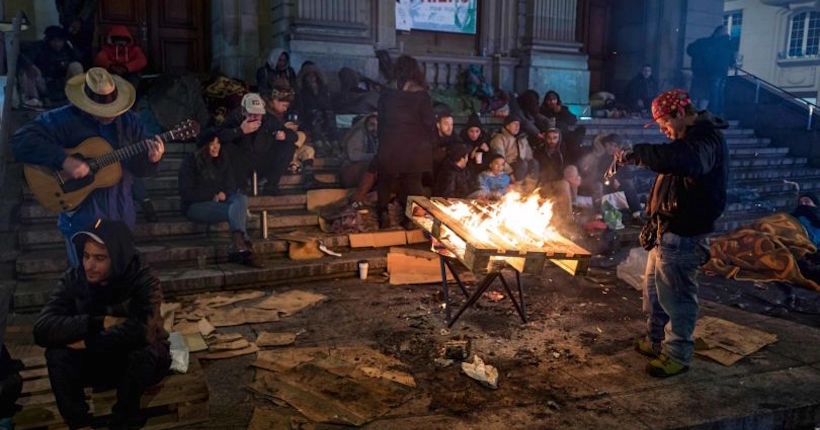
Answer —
(612, 216)
(633, 268)
(179, 353)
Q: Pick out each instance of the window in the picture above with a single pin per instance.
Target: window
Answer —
(733, 21)
(804, 35)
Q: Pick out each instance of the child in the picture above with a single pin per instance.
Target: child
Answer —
(453, 179)
(493, 183)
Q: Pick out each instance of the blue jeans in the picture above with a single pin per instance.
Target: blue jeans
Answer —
(671, 293)
(234, 210)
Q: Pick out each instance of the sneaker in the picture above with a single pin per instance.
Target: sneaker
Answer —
(647, 348)
(664, 367)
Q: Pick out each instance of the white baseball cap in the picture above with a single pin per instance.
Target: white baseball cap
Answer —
(253, 103)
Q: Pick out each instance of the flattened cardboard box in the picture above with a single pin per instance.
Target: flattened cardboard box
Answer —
(378, 239)
(416, 236)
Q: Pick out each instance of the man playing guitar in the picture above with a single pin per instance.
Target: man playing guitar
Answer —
(99, 107)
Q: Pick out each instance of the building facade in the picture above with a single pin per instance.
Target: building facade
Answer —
(779, 42)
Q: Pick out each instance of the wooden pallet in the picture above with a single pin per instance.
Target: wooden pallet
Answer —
(178, 400)
(480, 256)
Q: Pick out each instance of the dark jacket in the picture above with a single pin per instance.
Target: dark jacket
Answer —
(44, 141)
(77, 309)
(641, 88)
(475, 145)
(202, 177)
(453, 181)
(712, 56)
(407, 132)
(689, 193)
(563, 119)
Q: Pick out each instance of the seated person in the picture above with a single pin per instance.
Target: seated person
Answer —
(360, 146)
(554, 110)
(494, 182)
(641, 90)
(553, 162)
(314, 107)
(43, 78)
(516, 150)
(121, 56)
(444, 137)
(209, 195)
(276, 69)
(102, 328)
(356, 95)
(808, 214)
(474, 136)
(454, 179)
(595, 164)
(260, 141)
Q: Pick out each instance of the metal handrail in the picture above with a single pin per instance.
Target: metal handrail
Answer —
(811, 107)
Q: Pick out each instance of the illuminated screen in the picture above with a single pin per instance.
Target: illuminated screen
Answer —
(452, 16)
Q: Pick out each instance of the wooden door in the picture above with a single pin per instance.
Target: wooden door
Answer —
(174, 34)
(593, 31)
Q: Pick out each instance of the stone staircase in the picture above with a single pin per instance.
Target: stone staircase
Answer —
(192, 258)
(758, 168)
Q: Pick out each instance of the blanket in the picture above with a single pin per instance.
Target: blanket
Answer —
(767, 250)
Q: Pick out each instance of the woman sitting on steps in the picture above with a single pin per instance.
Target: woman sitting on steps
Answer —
(209, 195)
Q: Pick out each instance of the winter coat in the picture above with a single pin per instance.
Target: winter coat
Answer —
(268, 74)
(77, 309)
(129, 55)
(453, 181)
(641, 88)
(44, 141)
(201, 177)
(511, 147)
(357, 144)
(689, 193)
(563, 119)
(407, 132)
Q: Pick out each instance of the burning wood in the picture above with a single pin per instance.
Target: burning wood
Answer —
(514, 231)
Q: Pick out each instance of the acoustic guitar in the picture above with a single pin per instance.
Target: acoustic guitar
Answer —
(58, 193)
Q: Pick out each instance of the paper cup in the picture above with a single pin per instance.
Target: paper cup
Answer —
(363, 266)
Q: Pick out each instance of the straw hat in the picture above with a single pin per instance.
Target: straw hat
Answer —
(99, 93)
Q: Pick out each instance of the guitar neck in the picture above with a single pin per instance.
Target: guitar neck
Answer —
(129, 151)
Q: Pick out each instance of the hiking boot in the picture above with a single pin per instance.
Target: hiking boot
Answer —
(647, 348)
(664, 367)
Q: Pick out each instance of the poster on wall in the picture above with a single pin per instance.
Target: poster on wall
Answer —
(451, 16)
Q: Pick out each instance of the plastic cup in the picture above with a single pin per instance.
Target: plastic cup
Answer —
(363, 266)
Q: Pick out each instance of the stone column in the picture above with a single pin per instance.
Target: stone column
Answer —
(551, 58)
(341, 33)
(236, 48)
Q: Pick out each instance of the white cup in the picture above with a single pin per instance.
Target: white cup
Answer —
(478, 157)
(363, 266)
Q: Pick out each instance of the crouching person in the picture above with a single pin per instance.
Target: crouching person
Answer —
(102, 328)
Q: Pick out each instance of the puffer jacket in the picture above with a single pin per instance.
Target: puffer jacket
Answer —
(129, 55)
(689, 193)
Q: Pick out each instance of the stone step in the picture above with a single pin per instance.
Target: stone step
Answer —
(769, 162)
(764, 172)
(773, 186)
(631, 122)
(31, 294)
(170, 253)
(32, 212)
(45, 235)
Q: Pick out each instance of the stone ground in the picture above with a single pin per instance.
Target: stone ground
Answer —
(571, 366)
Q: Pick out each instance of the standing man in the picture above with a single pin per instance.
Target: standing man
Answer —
(99, 107)
(689, 194)
(102, 328)
(711, 59)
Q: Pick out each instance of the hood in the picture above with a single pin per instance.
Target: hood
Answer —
(705, 118)
(120, 31)
(472, 121)
(116, 236)
(273, 57)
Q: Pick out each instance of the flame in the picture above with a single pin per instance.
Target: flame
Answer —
(514, 222)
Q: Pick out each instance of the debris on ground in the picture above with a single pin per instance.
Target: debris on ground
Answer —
(727, 342)
(486, 374)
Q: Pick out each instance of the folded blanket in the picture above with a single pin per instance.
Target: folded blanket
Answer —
(767, 250)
